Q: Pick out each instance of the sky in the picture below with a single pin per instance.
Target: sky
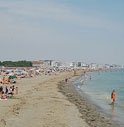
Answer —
(90, 31)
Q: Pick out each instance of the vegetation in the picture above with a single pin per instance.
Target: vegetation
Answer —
(16, 63)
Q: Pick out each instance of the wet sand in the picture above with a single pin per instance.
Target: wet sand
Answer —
(88, 112)
(40, 102)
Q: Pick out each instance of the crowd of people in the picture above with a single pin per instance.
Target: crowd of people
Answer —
(8, 92)
(7, 87)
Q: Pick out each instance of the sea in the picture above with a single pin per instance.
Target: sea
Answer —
(97, 87)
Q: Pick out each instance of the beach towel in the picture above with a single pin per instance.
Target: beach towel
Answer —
(3, 99)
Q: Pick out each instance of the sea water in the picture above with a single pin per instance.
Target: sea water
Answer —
(97, 87)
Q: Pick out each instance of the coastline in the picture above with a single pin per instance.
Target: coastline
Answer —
(40, 102)
(88, 111)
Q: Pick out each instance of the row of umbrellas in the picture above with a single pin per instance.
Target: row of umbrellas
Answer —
(12, 76)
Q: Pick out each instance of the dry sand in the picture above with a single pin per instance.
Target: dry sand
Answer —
(40, 103)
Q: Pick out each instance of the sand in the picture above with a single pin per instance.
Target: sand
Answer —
(47, 101)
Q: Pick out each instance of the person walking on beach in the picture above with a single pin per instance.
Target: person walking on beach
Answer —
(113, 96)
(66, 79)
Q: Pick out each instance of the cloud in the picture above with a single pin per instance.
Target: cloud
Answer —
(49, 22)
(55, 12)
(45, 20)
(46, 24)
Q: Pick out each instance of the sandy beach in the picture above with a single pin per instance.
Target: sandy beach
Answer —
(47, 101)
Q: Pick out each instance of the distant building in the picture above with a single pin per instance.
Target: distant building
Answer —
(37, 63)
(84, 65)
(47, 63)
(75, 64)
(55, 63)
(93, 66)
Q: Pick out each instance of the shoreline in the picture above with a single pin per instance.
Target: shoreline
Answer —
(40, 102)
(88, 111)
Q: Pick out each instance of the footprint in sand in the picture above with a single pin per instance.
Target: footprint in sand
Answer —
(3, 122)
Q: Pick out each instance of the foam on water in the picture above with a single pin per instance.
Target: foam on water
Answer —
(98, 89)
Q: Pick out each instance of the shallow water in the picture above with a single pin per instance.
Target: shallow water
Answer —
(97, 87)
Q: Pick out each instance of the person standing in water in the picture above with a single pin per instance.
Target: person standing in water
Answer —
(113, 96)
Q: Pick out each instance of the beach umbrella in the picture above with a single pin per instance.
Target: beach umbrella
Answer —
(12, 76)
(18, 70)
(23, 72)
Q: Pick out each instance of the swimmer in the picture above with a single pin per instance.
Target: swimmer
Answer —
(113, 96)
